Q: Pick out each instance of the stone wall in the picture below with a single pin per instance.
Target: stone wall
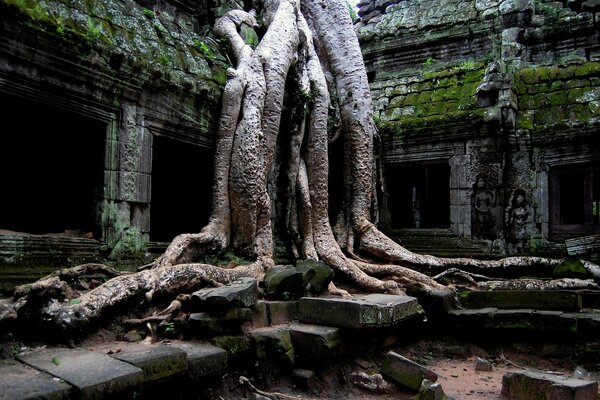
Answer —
(503, 92)
(142, 68)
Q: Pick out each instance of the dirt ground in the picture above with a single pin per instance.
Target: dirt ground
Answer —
(453, 361)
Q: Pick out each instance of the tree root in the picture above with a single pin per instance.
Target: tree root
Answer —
(271, 395)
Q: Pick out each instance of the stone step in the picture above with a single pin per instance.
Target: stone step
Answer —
(527, 322)
(134, 369)
(315, 344)
(370, 311)
(563, 300)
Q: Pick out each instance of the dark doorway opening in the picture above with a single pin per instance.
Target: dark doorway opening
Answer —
(52, 168)
(574, 201)
(418, 195)
(181, 188)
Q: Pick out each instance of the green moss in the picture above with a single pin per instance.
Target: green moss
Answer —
(524, 120)
(571, 268)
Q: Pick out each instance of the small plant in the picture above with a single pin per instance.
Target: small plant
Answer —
(429, 61)
(148, 13)
(60, 29)
(164, 59)
(204, 49)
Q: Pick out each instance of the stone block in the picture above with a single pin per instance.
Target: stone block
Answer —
(18, 381)
(406, 372)
(281, 312)
(316, 275)
(537, 299)
(303, 378)
(284, 282)
(204, 359)
(273, 344)
(525, 385)
(260, 318)
(240, 293)
(374, 310)
(204, 323)
(238, 348)
(157, 362)
(93, 375)
(315, 344)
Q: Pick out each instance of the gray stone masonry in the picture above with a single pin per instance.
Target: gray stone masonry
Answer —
(406, 372)
(240, 293)
(525, 385)
(375, 310)
(157, 362)
(93, 375)
(61, 373)
(39, 384)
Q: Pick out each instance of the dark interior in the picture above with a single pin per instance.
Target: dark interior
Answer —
(53, 164)
(418, 195)
(181, 188)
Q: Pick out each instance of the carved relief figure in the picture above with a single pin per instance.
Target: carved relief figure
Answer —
(484, 210)
(518, 221)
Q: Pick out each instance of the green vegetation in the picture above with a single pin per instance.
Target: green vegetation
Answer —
(224, 258)
(148, 13)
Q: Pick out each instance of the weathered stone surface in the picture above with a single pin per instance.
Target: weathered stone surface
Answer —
(481, 364)
(369, 311)
(273, 344)
(284, 282)
(315, 274)
(431, 391)
(94, 376)
(282, 311)
(18, 381)
(315, 343)
(303, 378)
(406, 372)
(536, 299)
(260, 318)
(204, 359)
(204, 323)
(157, 362)
(240, 293)
(238, 348)
(526, 385)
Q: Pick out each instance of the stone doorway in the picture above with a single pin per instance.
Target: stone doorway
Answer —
(419, 195)
(181, 197)
(53, 169)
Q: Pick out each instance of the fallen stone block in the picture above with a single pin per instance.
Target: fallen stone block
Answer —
(284, 282)
(238, 348)
(406, 372)
(18, 381)
(240, 293)
(525, 385)
(316, 275)
(431, 391)
(94, 375)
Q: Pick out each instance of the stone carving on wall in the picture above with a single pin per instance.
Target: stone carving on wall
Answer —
(520, 214)
(486, 223)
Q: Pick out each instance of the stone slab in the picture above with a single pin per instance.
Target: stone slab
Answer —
(240, 293)
(20, 382)
(376, 310)
(536, 299)
(94, 375)
(280, 312)
(406, 372)
(204, 359)
(157, 361)
(526, 385)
